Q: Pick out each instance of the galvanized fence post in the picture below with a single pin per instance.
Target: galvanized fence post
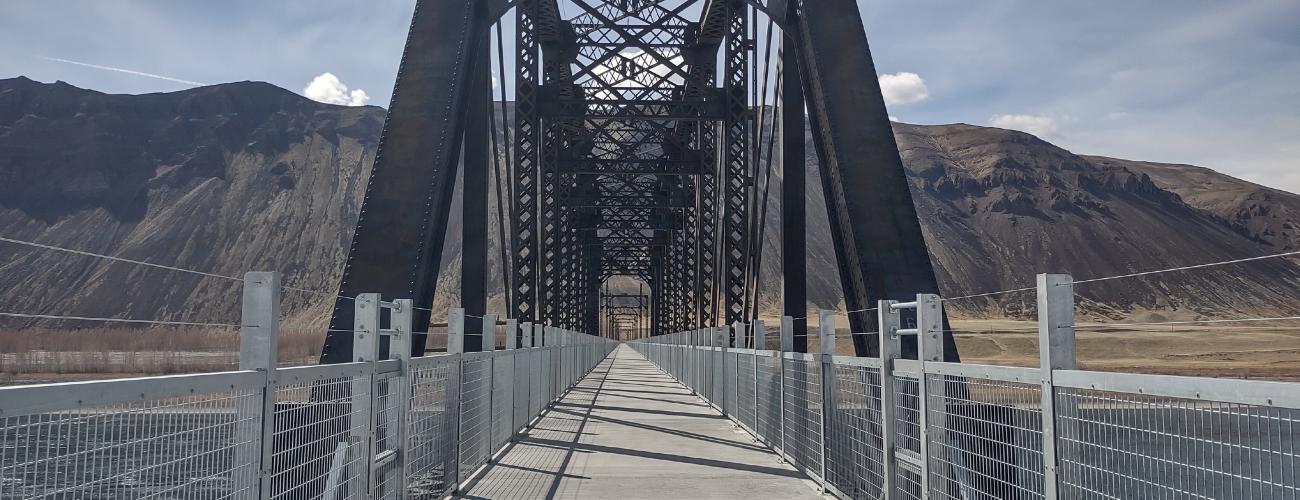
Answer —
(455, 347)
(399, 347)
(826, 347)
(721, 338)
(488, 344)
(1056, 352)
(512, 345)
(365, 349)
(758, 335)
(929, 347)
(258, 350)
(891, 349)
(787, 345)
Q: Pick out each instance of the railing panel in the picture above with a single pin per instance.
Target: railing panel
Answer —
(730, 390)
(1117, 444)
(123, 445)
(985, 438)
(855, 461)
(503, 392)
(802, 413)
(318, 444)
(768, 391)
(745, 396)
(475, 412)
(431, 427)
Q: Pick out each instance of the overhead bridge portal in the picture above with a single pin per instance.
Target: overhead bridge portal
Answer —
(629, 151)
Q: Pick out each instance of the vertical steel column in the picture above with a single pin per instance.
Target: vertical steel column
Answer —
(826, 347)
(758, 329)
(527, 143)
(456, 348)
(365, 349)
(736, 169)
(259, 350)
(929, 338)
(722, 339)
(891, 349)
(512, 331)
(456, 330)
(787, 334)
(488, 340)
(1056, 352)
(787, 343)
(794, 245)
(474, 182)
(399, 348)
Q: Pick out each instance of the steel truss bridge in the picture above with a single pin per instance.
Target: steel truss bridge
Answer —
(639, 139)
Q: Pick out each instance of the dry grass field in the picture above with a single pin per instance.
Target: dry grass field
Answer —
(1249, 351)
(32, 355)
(1267, 352)
(1263, 352)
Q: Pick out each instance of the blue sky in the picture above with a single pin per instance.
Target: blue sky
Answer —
(1211, 83)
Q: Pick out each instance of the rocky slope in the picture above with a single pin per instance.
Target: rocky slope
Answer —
(243, 176)
(223, 179)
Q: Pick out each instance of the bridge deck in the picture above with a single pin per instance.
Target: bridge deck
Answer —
(629, 431)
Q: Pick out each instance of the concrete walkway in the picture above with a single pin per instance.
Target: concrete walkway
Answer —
(630, 431)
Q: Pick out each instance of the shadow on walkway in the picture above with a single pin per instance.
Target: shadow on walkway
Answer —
(609, 438)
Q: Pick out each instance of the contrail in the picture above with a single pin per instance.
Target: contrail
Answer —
(124, 70)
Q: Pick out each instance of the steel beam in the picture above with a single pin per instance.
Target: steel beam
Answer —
(794, 245)
(879, 246)
(397, 245)
(474, 192)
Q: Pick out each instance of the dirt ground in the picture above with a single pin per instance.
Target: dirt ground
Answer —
(1270, 352)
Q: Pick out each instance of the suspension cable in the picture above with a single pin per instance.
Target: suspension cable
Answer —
(119, 259)
(1184, 268)
(114, 320)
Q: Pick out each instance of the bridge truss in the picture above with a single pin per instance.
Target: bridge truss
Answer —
(640, 140)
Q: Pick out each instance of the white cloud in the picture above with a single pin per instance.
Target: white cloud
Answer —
(893, 118)
(903, 88)
(328, 89)
(1039, 125)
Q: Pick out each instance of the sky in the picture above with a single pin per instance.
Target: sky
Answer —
(1203, 82)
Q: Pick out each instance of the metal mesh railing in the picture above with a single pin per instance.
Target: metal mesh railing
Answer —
(902, 428)
(855, 457)
(907, 414)
(475, 412)
(986, 438)
(1117, 444)
(157, 440)
(503, 393)
(431, 426)
(801, 419)
(768, 409)
(317, 444)
(745, 397)
(377, 429)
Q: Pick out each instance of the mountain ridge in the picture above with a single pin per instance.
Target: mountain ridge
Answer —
(216, 178)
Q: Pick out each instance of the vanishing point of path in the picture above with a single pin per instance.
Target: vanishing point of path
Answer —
(629, 431)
